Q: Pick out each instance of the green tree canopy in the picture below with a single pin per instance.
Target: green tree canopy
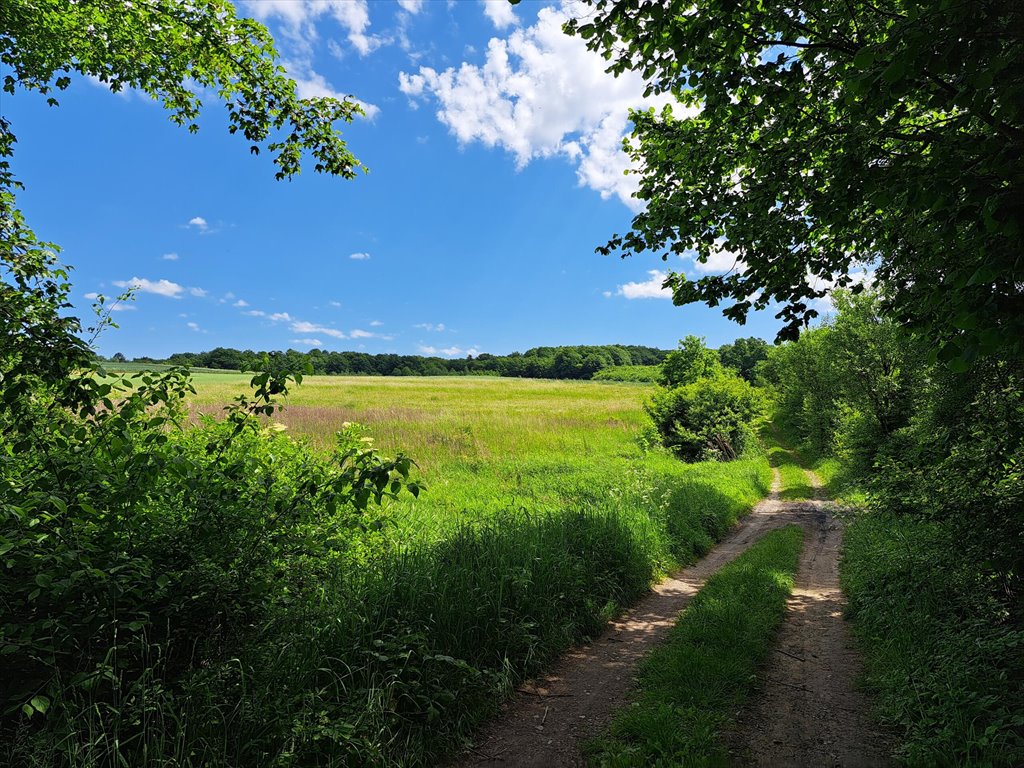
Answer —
(692, 361)
(743, 355)
(813, 137)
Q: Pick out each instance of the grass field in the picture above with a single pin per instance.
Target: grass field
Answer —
(491, 447)
(544, 515)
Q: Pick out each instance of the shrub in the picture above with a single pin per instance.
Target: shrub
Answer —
(709, 419)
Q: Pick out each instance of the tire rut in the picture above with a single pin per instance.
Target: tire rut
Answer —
(547, 720)
(808, 710)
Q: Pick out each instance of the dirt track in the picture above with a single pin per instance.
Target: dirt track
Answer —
(808, 713)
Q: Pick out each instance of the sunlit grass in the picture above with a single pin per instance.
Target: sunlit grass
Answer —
(544, 515)
(689, 687)
(506, 447)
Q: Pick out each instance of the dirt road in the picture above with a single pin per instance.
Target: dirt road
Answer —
(808, 712)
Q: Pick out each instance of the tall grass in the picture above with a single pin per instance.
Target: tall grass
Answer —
(543, 516)
(689, 687)
(942, 654)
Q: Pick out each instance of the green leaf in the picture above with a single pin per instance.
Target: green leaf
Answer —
(40, 704)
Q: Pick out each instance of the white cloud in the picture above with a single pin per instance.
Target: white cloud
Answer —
(310, 84)
(376, 323)
(499, 12)
(720, 261)
(541, 94)
(170, 257)
(278, 317)
(299, 18)
(308, 342)
(159, 287)
(649, 289)
(335, 303)
(199, 223)
(93, 295)
(412, 6)
(301, 326)
(358, 333)
(241, 303)
(194, 326)
(255, 313)
(431, 327)
(359, 256)
(198, 292)
(824, 304)
(120, 306)
(447, 351)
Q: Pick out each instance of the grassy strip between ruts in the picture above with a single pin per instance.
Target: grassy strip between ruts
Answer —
(689, 686)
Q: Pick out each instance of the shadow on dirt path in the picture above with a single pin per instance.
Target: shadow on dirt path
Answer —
(808, 710)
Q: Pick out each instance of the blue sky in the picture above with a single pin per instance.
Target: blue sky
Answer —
(495, 169)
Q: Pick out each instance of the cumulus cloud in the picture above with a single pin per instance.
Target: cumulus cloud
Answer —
(542, 94)
(241, 303)
(376, 323)
(412, 6)
(199, 293)
(299, 21)
(159, 287)
(824, 304)
(301, 326)
(335, 303)
(310, 84)
(194, 326)
(199, 223)
(447, 351)
(648, 289)
(500, 13)
(308, 342)
(439, 327)
(170, 257)
(359, 256)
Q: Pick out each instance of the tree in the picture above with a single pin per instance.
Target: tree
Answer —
(169, 50)
(743, 355)
(812, 137)
(692, 361)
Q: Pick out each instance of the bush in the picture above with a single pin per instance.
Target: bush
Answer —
(709, 419)
(139, 550)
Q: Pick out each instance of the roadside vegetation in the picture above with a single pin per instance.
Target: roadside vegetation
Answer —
(383, 636)
(689, 688)
(932, 460)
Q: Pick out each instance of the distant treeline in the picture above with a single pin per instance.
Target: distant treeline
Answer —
(574, 362)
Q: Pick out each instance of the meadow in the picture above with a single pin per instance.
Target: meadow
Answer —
(546, 512)
(508, 448)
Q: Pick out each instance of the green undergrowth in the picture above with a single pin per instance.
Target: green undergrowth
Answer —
(942, 654)
(690, 686)
(542, 518)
